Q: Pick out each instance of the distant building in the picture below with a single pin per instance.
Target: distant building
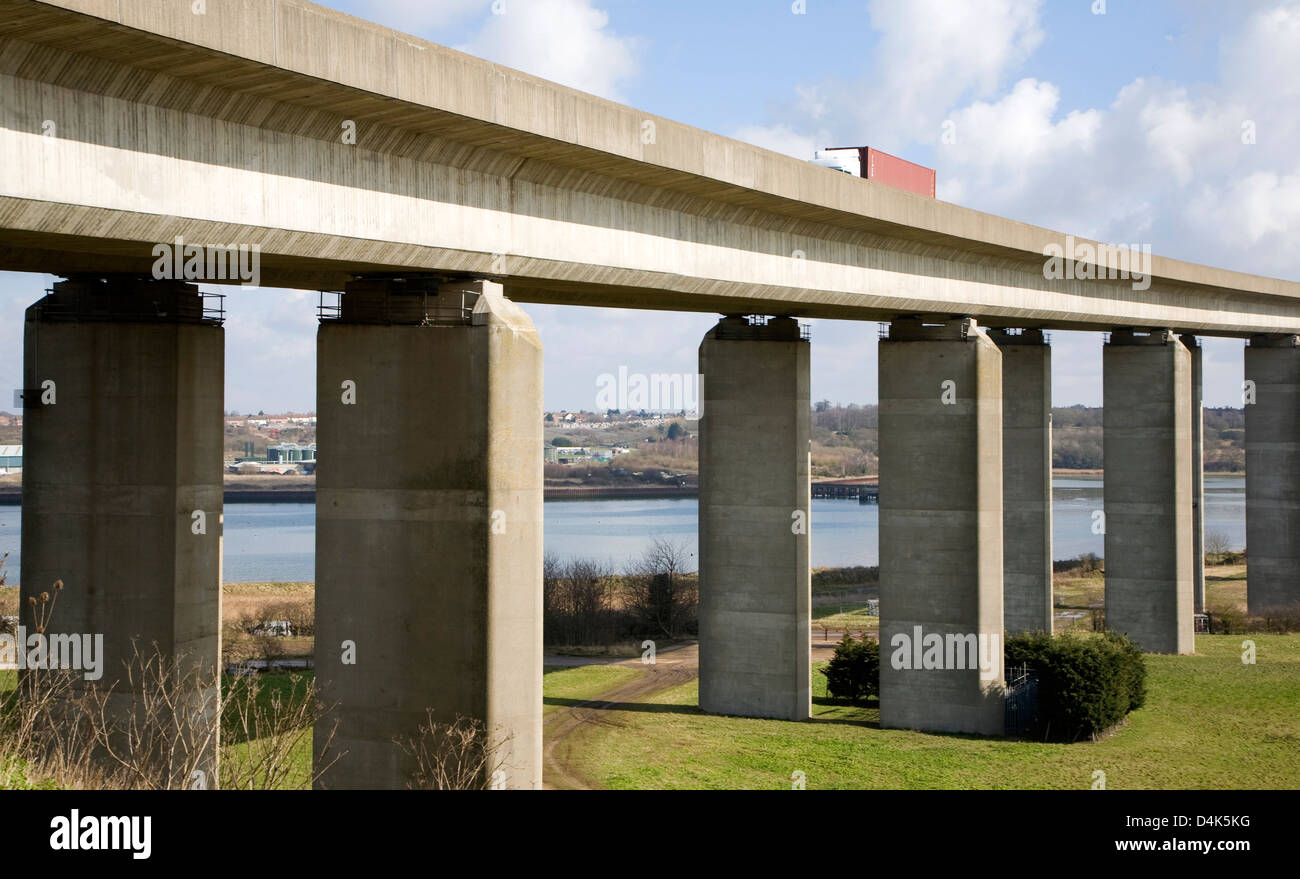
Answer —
(286, 452)
(11, 459)
(582, 454)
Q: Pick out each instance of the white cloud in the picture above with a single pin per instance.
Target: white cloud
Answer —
(568, 41)
(1164, 164)
(783, 139)
(932, 52)
(1263, 57)
(1004, 144)
(1168, 164)
(1260, 211)
(929, 55)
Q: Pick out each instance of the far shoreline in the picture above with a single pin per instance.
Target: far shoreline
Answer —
(266, 489)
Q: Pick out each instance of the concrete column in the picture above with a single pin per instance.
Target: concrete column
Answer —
(1026, 480)
(941, 529)
(428, 525)
(1193, 346)
(1272, 474)
(1147, 449)
(122, 482)
(755, 580)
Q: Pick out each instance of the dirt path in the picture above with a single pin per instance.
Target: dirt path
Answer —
(676, 665)
(673, 666)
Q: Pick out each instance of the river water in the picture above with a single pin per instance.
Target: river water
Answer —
(277, 541)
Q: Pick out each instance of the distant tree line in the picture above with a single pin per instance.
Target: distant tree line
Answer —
(846, 439)
(585, 602)
(1077, 439)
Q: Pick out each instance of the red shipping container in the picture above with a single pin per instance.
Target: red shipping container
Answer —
(893, 171)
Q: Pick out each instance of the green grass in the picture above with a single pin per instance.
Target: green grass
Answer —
(1210, 722)
(1078, 592)
(564, 685)
(286, 686)
(852, 619)
(13, 776)
(821, 612)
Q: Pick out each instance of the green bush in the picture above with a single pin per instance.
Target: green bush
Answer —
(854, 671)
(1086, 684)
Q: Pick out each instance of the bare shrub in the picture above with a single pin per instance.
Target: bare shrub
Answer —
(238, 645)
(1227, 618)
(299, 612)
(262, 731)
(660, 593)
(44, 740)
(155, 725)
(1279, 620)
(1217, 543)
(578, 602)
(1219, 551)
(463, 755)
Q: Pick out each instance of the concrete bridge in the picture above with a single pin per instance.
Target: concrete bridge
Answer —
(436, 191)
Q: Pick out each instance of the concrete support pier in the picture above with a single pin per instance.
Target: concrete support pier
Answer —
(123, 394)
(428, 526)
(941, 528)
(755, 580)
(1272, 474)
(1193, 346)
(1147, 450)
(1026, 480)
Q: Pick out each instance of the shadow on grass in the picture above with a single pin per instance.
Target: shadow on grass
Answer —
(867, 715)
(858, 718)
(598, 705)
(858, 709)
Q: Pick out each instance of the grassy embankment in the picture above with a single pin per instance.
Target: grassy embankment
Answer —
(561, 685)
(1210, 722)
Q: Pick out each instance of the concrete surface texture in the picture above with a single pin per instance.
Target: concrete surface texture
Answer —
(429, 531)
(1193, 346)
(1147, 448)
(243, 115)
(122, 441)
(940, 524)
(1273, 474)
(1026, 480)
(754, 528)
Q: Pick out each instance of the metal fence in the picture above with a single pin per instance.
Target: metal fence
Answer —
(1021, 700)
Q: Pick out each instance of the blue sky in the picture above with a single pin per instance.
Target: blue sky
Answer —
(1124, 124)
